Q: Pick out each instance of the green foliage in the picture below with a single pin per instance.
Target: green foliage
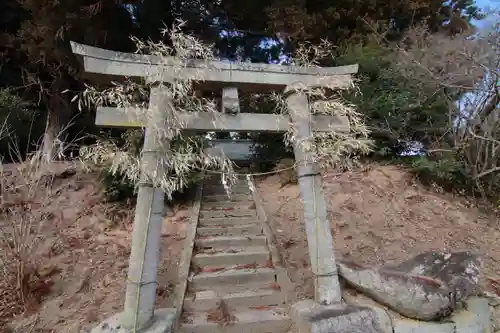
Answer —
(448, 172)
(340, 21)
(451, 172)
(268, 149)
(117, 187)
(396, 113)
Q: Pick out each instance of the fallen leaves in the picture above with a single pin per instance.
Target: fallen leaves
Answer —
(288, 243)
(221, 315)
(495, 285)
(246, 266)
(224, 209)
(268, 264)
(260, 307)
(211, 269)
(275, 286)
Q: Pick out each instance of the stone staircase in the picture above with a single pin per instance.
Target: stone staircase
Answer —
(232, 285)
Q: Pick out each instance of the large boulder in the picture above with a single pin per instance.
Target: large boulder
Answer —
(427, 287)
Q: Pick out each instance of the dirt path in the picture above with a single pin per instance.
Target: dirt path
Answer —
(380, 215)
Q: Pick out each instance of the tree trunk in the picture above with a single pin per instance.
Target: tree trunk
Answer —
(58, 116)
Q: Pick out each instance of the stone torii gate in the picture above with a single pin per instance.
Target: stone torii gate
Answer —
(230, 77)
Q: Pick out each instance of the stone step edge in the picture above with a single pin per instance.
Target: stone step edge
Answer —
(233, 259)
(259, 299)
(240, 229)
(245, 321)
(232, 277)
(229, 221)
(208, 239)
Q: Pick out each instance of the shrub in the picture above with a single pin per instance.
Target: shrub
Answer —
(286, 171)
(116, 186)
(447, 172)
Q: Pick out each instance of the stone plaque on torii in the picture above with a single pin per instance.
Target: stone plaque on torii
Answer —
(230, 77)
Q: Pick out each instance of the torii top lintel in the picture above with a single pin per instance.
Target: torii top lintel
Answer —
(154, 68)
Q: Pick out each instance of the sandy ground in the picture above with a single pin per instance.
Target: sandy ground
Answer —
(380, 215)
(87, 243)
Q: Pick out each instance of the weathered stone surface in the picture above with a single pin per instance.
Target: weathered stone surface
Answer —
(495, 317)
(475, 318)
(256, 76)
(458, 270)
(427, 287)
(310, 317)
(414, 326)
(493, 299)
(162, 322)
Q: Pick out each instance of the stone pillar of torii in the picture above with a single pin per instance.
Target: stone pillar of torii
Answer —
(144, 257)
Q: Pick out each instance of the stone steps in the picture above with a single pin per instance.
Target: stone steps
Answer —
(231, 267)
(224, 198)
(270, 320)
(239, 288)
(218, 242)
(236, 230)
(226, 221)
(229, 277)
(224, 259)
(235, 205)
(228, 213)
(206, 300)
(221, 191)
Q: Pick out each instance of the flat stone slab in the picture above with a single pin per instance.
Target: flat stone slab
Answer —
(414, 326)
(310, 317)
(206, 300)
(218, 242)
(232, 213)
(222, 198)
(227, 221)
(230, 277)
(236, 230)
(472, 317)
(227, 205)
(275, 320)
(223, 259)
(162, 322)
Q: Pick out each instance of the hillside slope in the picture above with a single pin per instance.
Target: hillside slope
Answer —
(379, 215)
(82, 254)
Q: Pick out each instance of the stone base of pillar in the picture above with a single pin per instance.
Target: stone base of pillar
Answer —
(310, 317)
(163, 322)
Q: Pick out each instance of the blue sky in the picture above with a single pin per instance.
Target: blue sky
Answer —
(487, 5)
